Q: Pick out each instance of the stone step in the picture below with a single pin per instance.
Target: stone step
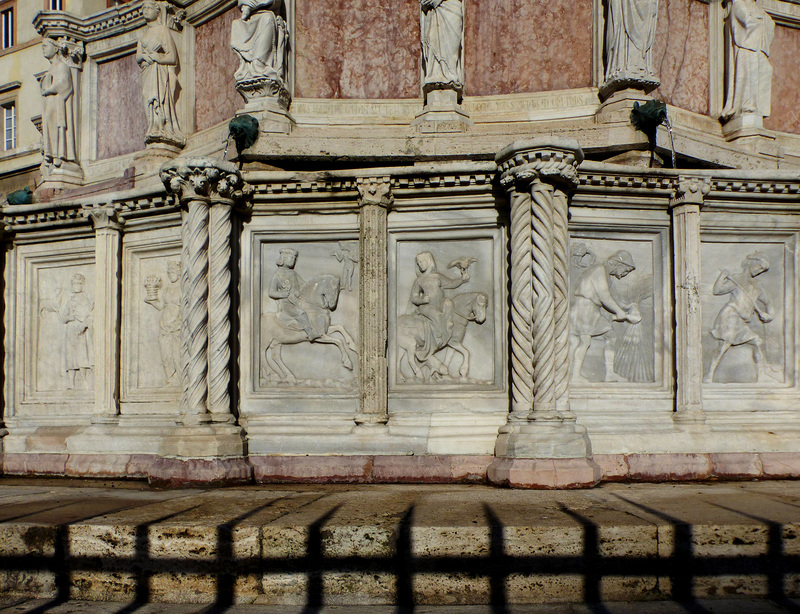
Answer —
(398, 544)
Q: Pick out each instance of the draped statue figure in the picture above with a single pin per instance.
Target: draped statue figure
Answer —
(58, 118)
(157, 56)
(442, 42)
(749, 74)
(260, 38)
(630, 34)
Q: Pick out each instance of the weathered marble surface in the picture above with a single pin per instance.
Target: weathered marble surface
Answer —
(121, 123)
(215, 63)
(368, 49)
(681, 54)
(539, 46)
(785, 82)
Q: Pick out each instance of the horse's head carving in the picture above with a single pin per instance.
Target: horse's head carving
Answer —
(328, 287)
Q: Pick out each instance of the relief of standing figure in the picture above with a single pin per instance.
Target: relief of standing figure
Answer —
(593, 308)
(348, 256)
(442, 42)
(76, 313)
(746, 298)
(157, 56)
(169, 324)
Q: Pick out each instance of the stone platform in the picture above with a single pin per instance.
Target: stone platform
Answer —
(400, 545)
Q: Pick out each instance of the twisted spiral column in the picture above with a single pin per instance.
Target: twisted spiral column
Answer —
(194, 290)
(219, 307)
(207, 190)
(561, 298)
(521, 304)
(543, 297)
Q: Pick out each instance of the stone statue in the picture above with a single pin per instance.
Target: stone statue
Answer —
(169, 304)
(304, 315)
(746, 298)
(749, 74)
(437, 322)
(76, 314)
(442, 42)
(593, 308)
(157, 56)
(58, 119)
(261, 40)
(630, 34)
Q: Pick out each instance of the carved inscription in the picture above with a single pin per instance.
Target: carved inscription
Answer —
(303, 318)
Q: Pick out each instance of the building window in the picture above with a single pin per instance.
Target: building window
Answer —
(7, 25)
(9, 126)
(55, 5)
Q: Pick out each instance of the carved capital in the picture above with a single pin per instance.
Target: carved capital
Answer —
(375, 191)
(553, 161)
(691, 191)
(104, 216)
(213, 181)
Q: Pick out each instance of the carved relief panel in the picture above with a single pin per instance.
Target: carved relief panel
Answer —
(747, 295)
(52, 336)
(307, 323)
(617, 318)
(151, 317)
(446, 311)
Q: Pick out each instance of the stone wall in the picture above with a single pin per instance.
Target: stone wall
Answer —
(121, 122)
(785, 82)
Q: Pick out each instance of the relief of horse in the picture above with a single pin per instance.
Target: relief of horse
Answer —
(411, 334)
(318, 298)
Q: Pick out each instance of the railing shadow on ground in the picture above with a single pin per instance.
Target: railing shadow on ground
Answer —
(681, 567)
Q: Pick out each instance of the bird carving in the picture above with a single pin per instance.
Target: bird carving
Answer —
(462, 263)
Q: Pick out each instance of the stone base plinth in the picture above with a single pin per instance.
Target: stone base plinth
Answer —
(554, 438)
(68, 176)
(442, 113)
(186, 473)
(624, 81)
(618, 106)
(745, 124)
(272, 117)
(544, 473)
(205, 441)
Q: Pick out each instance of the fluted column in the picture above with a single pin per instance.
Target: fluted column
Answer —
(539, 176)
(375, 197)
(685, 208)
(208, 190)
(108, 291)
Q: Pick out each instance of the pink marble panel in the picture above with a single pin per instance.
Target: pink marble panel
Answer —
(785, 81)
(121, 123)
(216, 98)
(516, 46)
(680, 54)
(364, 49)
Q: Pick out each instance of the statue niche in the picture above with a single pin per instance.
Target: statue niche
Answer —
(303, 316)
(261, 40)
(432, 333)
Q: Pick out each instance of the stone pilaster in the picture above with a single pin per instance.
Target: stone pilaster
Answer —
(107, 314)
(375, 197)
(541, 446)
(208, 191)
(685, 208)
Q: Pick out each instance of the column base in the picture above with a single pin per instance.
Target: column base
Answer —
(544, 473)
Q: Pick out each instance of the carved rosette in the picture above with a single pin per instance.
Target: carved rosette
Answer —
(375, 197)
(208, 190)
(539, 177)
